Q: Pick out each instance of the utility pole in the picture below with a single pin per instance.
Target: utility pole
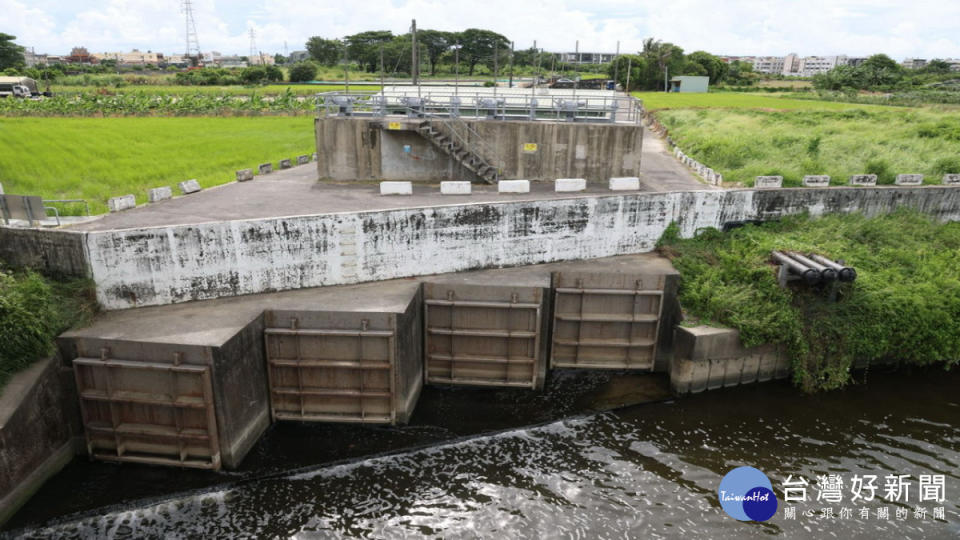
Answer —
(511, 65)
(616, 65)
(383, 97)
(346, 73)
(456, 62)
(496, 68)
(414, 60)
(536, 76)
(629, 62)
(666, 78)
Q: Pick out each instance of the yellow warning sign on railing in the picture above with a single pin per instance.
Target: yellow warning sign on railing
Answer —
(530, 147)
(394, 125)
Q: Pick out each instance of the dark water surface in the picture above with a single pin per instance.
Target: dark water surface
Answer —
(648, 471)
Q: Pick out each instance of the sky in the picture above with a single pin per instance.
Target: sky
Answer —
(918, 28)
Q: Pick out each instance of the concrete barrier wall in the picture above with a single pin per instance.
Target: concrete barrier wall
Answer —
(39, 418)
(58, 253)
(361, 149)
(165, 265)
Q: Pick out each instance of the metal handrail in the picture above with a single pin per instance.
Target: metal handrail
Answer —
(603, 108)
(85, 203)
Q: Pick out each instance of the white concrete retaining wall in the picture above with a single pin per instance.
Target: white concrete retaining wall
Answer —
(625, 183)
(396, 188)
(163, 265)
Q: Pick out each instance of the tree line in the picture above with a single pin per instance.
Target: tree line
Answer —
(882, 73)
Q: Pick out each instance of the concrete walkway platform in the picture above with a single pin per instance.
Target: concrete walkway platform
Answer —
(297, 192)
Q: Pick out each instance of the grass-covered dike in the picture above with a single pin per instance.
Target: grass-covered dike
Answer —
(903, 307)
(33, 311)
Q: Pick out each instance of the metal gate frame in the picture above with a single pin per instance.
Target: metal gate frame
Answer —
(275, 362)
(453, 358)
(614, 318)
(115, 397)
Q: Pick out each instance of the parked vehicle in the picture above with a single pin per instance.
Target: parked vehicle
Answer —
(22, 87)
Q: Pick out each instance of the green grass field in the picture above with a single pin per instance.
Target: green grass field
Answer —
(99, 158)
(731, 100)
(742, 144)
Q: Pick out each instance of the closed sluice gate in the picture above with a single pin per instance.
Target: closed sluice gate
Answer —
(154, 410)
(485, 335)
(344, 366)
(606, 320)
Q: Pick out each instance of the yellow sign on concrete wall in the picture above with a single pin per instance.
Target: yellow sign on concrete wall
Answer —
(394, 125)
(530, 147)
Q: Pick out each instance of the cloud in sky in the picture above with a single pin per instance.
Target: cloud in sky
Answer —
(922, 28)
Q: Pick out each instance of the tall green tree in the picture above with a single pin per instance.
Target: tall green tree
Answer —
(325, 51)
(659, 58)
(435, 43)
(637, 65)
(364, 47)
(479, 46)
(712, 66)
(11, 54)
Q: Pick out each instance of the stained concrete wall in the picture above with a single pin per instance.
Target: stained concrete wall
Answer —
(53, 252)
(361, 149)
(39, 418)
(172, 264)
(709, 358)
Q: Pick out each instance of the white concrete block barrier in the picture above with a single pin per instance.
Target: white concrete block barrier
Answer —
(768, 182)
(159, 194)
(285, 164)
(909, 180)
(863, 180)
(396, 188)
(303, 160)
(570, 184)
(513, 186)
(625, 183)
(816, 180)
(121, 203)
(948, 180)
(265, 168)
(244, 175)
(455, 188)
(189, 186)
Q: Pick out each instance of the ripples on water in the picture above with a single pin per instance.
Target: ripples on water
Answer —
(646, 472)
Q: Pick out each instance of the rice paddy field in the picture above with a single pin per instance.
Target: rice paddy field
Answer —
(99, 158)
(743, 136)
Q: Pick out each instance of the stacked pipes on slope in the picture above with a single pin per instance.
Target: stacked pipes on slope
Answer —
(813, 269)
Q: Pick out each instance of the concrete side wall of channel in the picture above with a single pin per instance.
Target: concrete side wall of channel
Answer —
(370, 149)
(164, 265)
(708, 358)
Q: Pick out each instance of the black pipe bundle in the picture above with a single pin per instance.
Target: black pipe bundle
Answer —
(845, 273)
(810, 275)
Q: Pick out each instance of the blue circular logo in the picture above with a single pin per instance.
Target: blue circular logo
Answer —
(746, 494)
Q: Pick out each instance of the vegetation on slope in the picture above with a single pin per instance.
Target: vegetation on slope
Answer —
(33, 311)
(903, 307)
(742, 144)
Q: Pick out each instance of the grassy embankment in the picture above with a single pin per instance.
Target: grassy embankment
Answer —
(743, 136)
(904, 305)
(179, 90)
(99, 158)
(33, 311)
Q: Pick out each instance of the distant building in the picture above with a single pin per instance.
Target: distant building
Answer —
(33, 59)
(299, 56)
(689, 84)
(584, 57)
(80, 55)
(263, 59)
(132, 58)
(914, 63)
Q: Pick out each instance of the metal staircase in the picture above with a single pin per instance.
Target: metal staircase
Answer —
(456, 139)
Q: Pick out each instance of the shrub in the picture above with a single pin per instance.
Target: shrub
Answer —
(947, 165)
(880, 168)
(303, 72)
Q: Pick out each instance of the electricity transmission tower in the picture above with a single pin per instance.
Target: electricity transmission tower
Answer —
(253, 47)
(192, 52)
